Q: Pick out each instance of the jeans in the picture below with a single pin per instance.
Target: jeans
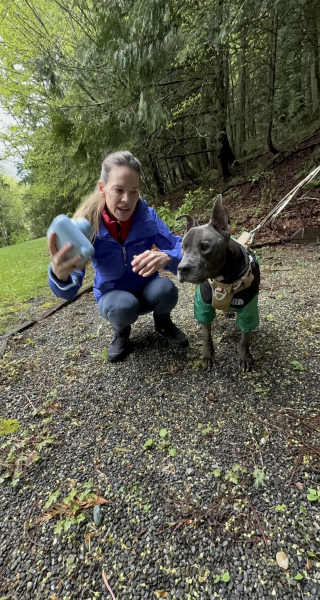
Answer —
(122, 308)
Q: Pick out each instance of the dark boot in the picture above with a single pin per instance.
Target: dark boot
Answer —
(175, 336)
(119, 346)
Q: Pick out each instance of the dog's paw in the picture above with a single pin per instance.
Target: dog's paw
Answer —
(208, 361)
(246, 363)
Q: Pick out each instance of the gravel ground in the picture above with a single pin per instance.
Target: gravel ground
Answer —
(232, 493)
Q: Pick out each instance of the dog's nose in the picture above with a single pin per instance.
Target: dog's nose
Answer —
(183, 269)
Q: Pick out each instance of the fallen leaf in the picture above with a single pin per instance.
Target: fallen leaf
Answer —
(300, 486)
(212, 398)
(168, 468)
(308, 565)
(187, 521)
(205, 576)
(8, 426)
(282, 560)
(62, 508)
(161, 594)
(297, 365)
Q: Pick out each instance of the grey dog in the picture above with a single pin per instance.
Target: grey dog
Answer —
(209, 253)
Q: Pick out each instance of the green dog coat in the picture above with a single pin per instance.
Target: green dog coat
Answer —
(247, 316)
(244, 303)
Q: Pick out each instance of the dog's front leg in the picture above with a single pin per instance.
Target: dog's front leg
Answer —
(207, 348)
(245, 357)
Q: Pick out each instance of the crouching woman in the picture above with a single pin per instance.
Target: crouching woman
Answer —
(127, 283)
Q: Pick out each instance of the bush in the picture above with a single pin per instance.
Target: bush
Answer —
(193, 204)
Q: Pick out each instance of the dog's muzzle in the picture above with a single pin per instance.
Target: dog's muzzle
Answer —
(183, 272)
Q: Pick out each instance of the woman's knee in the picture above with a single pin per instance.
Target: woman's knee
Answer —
(162, 294)
(120, 308)
(169, 290)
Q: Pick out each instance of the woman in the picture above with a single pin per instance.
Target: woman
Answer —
(127, 282)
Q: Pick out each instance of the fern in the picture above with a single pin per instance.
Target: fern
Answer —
(259, 477)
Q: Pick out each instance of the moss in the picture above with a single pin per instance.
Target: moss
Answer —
(48, 304)
(8, 426)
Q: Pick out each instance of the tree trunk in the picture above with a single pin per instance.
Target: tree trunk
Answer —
(311, 17)
(214, 99)
(241, 98)
(298, 87)
(185, 168)
(204, 162)
(272, 47)
(157, 176)
(250, 122)
(224, 154)
(171, 173)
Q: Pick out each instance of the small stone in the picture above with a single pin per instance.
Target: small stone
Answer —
(97, 515)
(240, 587)
(277, 481)
(72, 558)
(189, 471)
(29, 585)
(282, 560)
(300, 486)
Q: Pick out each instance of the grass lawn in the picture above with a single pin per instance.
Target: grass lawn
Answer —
(23, 271)
(24, 290)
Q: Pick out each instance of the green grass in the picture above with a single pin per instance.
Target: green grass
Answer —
(24, 289)
(24, 276)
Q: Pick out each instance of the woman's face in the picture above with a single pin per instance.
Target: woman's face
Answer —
(121, 192)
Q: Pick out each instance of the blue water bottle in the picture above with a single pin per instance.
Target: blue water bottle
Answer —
(76, 232)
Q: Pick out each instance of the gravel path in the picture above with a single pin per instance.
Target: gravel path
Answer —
(202, 511)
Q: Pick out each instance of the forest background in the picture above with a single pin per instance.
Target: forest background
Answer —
(194, 89)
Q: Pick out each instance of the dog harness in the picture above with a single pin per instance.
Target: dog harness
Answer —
(222, 293)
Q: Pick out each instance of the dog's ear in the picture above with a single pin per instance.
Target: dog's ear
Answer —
(219, 218)
(190, 221)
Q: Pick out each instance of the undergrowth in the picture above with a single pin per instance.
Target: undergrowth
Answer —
(193, 204)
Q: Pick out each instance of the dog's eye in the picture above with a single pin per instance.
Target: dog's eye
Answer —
(204, 247)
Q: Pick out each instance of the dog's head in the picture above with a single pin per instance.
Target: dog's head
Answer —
(204, 247)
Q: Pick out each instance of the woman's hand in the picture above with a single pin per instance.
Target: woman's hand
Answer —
(149, 262)
(61, 266)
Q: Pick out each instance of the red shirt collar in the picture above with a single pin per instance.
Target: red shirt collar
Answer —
(112, 226)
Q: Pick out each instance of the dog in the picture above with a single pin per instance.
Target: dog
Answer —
(226, 275)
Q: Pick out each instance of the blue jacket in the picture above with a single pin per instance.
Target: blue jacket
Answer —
(112, 261)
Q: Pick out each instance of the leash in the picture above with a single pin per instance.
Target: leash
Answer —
(246, 237)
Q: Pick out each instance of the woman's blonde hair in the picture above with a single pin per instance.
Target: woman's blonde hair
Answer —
(93, 206)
